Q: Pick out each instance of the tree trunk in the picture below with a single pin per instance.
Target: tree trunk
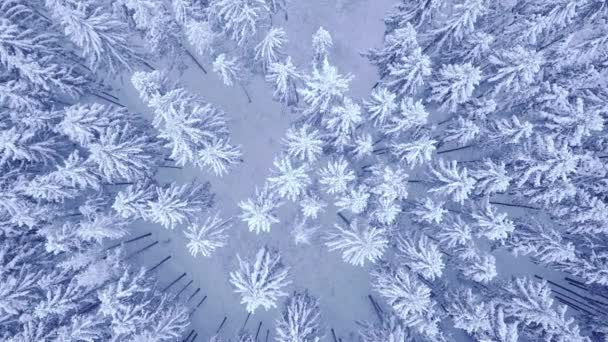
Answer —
(198, 289)
(333, 334)
(188, 337)
(183, 289)
(128, 241)
(456, 149)
(195, 60)
(267, 334)
(246, 92)
(141, 250)
(109, 100)
(377, 309)
(159, 264)
(258, 332)
(344, 218)
(246, 320)
(197, 306)
(174, 282)
(514, 205)
(221, 325)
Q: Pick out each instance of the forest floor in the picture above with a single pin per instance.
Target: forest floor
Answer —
(259, 127)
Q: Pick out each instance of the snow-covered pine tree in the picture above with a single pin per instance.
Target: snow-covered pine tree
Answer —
(358, 242)
(381, 106)
(121, 156)
(103, 38)
(416, 152)
(491, 223)
(420, 255)
(159, 29)
(207, 236)
(455, 84)
(261, 282)
(336, 176)
(194, 130)
(228, 68)
(259, 213)
(452, 181)
(407, 74)
(270, 49)
(289, 181)
(408, 297)
(323, 89)
(284, 76)
(177, 204)
(321, 43)
(304, 143)
(390, 329)
(530, 302)
(239, 20)
(300, 319)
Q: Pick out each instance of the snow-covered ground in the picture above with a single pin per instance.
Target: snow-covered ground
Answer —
(259, 127)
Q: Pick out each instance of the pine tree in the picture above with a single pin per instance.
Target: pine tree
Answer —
(343, 119)
(177, 204)
(290, 182)
(358, 243)
(239, 19)
(205, 237)
(103, 38)
(84, 123)
(284, 76)
(492, 224)
(481, 269)
(429, 211)
(269, 50)
(460, 23)
(530, 302)
(407, 74)
(336, 176)
(390, 329)
(324, 88)
(194, 130)
(396, 45)
(132, 202)
(410, 115)
(321, 43)
(228, 69)
(420, 255)
(452, 181)
(259, 214)
(381, 106)
(219, 155)
(355, 199)
(492, 178)
(120, 156)
(300, 319)
(517, 69)
(312, 205)
(416, 152)
(260, 283)
(406, 295)
(303, 143)
(455, 84)
(389, 182)
(201, 36)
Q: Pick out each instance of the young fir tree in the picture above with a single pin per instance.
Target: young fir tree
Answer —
(261, 282)
(358, 242)
(300, 319)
